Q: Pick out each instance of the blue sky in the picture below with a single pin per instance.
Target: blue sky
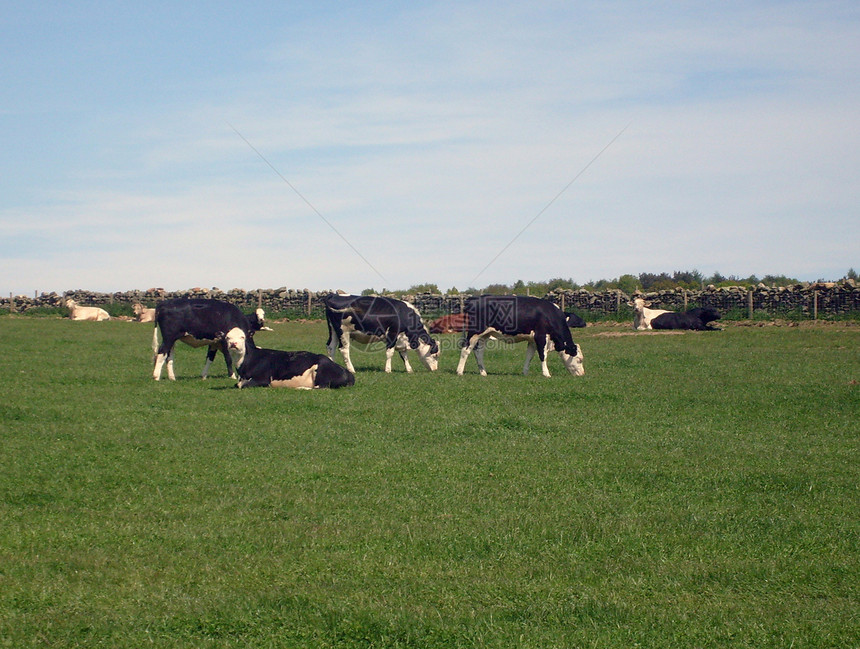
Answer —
(384, 144)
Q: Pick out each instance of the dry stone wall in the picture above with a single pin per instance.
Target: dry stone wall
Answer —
(822, 299)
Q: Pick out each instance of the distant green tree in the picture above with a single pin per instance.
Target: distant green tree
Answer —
(627, 283)
(689, 279)
(423, 288)
(369, 291)
(452, 291)
(716, 279)
(851, 274)
(779, 280)
(497, 289)
(560, 283)
(650, 281)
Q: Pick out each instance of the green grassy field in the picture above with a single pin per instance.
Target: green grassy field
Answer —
(692, 490)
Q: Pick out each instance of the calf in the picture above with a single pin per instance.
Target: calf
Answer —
(642, 316)
(369, 319)
(448, 324)
(280, 369)
(516, 318)
(94, 313)
(143, 314)
(199, 323)
(698, 319)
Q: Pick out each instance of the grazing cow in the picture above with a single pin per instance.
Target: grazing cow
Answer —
(199, 323)
(280, 369)
(94, 313)
(516, 318)
(448, 324)
(698, 319)
(143, 314)
(642, 316)
(369, 319)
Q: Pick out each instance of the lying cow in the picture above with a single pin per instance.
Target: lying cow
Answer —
(368, 319)
(642, 315)
(143, 314)
(516, 318)
(698, 319)
(94, 313)
(280, 369)
(199, 323)
(448, 324)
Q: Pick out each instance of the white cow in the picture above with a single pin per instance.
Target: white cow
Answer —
(143, 314)
(642, 316)
(94, 313)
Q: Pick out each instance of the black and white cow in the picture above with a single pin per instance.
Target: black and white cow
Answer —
(368, 319)
(698, 319)
(199, 323)
(282, 369)
(515, 318)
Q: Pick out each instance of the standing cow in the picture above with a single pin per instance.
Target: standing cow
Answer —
(516, 318)
(368, 319)
(199, 323)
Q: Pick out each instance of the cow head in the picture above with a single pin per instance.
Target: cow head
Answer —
(428, 352)
(638, 303)
(236, 344)
(573, 362)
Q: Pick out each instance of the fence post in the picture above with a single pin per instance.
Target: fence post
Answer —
(309, 304)
(259, 298)
(815, 304)
(461, 303)
(750, 302)
(11, 303)
(685, 299)
(562, 302)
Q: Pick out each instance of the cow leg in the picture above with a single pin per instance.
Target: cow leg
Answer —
(530, 352)
(331, 345)
(344, 351)
(466, 348)
(405, 361)
(389, 352)
(479, 355)
(170, 373)
(210, 356)
(542, 343)
(159, 363)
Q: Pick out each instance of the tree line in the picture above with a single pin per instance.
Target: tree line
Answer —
(679, 279)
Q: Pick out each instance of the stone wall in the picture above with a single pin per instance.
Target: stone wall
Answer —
(822, 299)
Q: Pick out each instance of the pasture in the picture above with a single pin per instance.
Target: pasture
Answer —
(691, 490)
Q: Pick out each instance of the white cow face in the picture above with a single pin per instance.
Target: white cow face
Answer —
(235, 340)
(428, 356)
(574, 364)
